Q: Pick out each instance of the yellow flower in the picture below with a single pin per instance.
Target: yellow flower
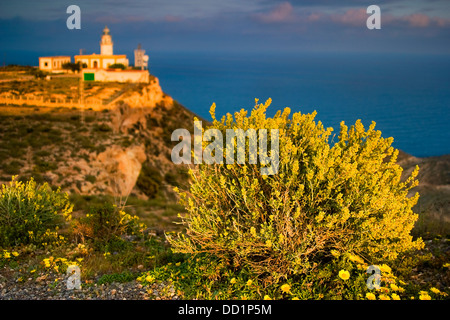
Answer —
(384, 297)
(15, 254)
(33, 271)
(435, 290)
(385, 268)
(286, 288)
(233, 281)
(383, 289)
(149, 278)
(47, 263)
(269, 243)
(355, 258)
(243, 297)
(394, 287)
(370, 296)
(249, 282)
(335, 253)
(266, 297)
(295, 298)
(6, 255)
(344, 274)
(425, 296)
(395, 296)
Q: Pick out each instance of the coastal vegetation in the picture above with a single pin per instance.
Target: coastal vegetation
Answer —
(97, 189)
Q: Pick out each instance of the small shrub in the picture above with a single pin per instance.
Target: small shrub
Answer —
(346, 198)
(105, 225)
(44, 166)
(171, 178)
(13, 167)
(31, 213)
(117, 66)
(149, 181)
(103, 127)
(92, 179)
(125, 276)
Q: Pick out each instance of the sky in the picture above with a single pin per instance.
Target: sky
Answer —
(30, 27)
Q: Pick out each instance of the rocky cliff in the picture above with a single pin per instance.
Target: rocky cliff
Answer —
(97, 152)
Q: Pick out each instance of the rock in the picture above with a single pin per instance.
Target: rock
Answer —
(120, 167)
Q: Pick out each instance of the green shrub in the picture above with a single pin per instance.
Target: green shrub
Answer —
(105, 225)
(117, 66)
(44, 166)
(125, 276)
(171, 178)
(103, 127)
(13, 167)
(90, 178)
(149, 181)
(344, 198)
(31, 213)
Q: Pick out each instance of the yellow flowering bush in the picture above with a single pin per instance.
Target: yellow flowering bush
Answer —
(206, 277)
(31, 213)
(331, 194)
(7, 256)
(106, 224)
(59, 265)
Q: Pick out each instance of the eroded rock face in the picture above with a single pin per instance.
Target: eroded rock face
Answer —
(119, 168)
(148, 97)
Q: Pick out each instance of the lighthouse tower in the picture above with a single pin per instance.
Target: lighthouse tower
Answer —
(106, 44)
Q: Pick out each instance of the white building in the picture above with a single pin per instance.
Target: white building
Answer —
(53, 64)
(135, 76)
(106, 57)
(140, 59)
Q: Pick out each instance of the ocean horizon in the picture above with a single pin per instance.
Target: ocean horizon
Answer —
(408, 96)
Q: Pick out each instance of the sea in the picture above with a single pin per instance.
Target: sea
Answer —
(407, 95)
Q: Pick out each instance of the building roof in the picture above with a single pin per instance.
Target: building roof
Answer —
(100, 56)
(54, 57)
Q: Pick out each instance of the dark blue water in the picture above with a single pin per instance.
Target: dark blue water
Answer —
(407, 96)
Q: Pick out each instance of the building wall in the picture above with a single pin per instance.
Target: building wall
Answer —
(137, 76)
(106, 49)
(101, 61)
(51, 64)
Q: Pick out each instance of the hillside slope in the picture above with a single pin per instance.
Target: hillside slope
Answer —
(120, 150)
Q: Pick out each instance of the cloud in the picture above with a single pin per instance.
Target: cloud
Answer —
(353, 17)
(284, 12)
(172, 18)
(418, 20)
(356, 17)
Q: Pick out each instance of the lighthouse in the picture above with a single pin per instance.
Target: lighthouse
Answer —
(106, 44)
